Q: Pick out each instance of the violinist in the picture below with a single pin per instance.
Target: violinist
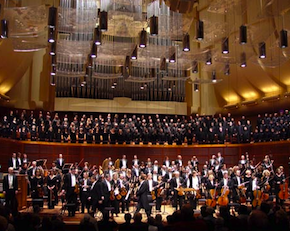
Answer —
(116, 188)
(255, 188)
(51, 186)
(237, 182)
(152, 185)
(225, 184)
(159, 193)
(70, 188)
(175, 183)
(247, 180)
(124, 188)
(37, 189)
(266, 182)
(84, 192)
(279, 180)
(193, 182)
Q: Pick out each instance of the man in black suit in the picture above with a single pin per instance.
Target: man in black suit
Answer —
(12, 162)
(235, 183)
(70, 182)
(95, 194)
(220, 158)
(106, 191)
(85, 191)
(10, 189)
(60, 161)
(142, 194)
(135, 160)
(124, 162)
(175, 183)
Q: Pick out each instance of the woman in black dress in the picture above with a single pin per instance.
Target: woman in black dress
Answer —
(90, 136)
(37, 189)
(73, 135)
(65, 136)
(51, 189)
(81, 136)
(279, 179)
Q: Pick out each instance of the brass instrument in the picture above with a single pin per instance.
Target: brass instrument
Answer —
(117, 164)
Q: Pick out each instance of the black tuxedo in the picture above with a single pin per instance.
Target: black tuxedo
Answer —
(10, 163)
(176, 197)
(58, 163)
(164, 163)
(210, 185)
(135, 160)
(121, 163)
(10, 196)
(84, 194)
(96, 195)
(71, 196)
(142, 194)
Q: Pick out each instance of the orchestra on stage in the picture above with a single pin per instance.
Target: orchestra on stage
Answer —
(119, 186)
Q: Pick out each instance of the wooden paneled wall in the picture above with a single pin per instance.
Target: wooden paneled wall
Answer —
(95, 154)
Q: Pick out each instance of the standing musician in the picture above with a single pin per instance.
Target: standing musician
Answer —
(107, 189)
(71, 188)
(85, 190)
(12, 162)
(142, 195)
(60, 161)
(194, 163)
(135, 160)
(159, 193)
(193, 182)
(254, 186)
(10, 189)
(175, 183)
(266, 182)
(279, 180)
(124, 188)
(124, 162)
(115, 190)
(51, 180)
(237, 181)
(152, 187)
(37, 189)
(96, 195)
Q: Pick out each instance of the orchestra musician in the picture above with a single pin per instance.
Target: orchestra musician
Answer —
(135, 160)
(70, 188)
(159, 193)
(85, 191)
(12, 162)
(10, 189)
(52, 189)
(60, 161)
(193, 182)
(175, 184)
(279, 179)
(124, 187)
(115, 183)
(37, 192)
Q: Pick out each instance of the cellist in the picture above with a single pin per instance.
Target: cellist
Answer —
(279, 179)
(237, 181)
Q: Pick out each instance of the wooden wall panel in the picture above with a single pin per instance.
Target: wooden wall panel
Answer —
(95, 154)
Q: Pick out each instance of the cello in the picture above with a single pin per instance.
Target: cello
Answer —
(257, 198)
(223, 199)
(283, 193)
(212, 202)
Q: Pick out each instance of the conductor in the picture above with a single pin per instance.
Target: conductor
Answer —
(142, 195)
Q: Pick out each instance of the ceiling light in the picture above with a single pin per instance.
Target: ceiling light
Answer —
(115, 83)
(172, 58)
(52, 17)
(227, 69)
(169, 89)
(4, 29)
(153, 23)
(142, 87)
(283, 39)
(262, 50)
(113, 86)
(225, 45)
(51, 36)
(94, 51)
(243, 34)
(208, 59)
(134, 53)
(199, 30)
(213, 77)
(243, 60)
(194, 67)
(52, 49)
(196, 88)
(143, 39)
(186, 43)
(53, 70)
(103, 16)
(52, 80)
(98, 36)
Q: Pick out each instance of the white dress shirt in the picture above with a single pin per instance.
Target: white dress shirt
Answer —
(167, 163)
(109, 185)
(150, 182)
(73, 180)
(85, 184)
(254, 184)
(14, 162)
(195, 183)
(10, 181)
(124, 162)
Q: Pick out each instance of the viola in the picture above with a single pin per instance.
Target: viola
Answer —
(123, 191)
(153, 195)
(112, 195)
(77, 189)
(283, 193)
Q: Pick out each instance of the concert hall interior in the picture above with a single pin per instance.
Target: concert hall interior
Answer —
(144, 114)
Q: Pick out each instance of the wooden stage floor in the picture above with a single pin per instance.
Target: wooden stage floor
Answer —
(57, 211)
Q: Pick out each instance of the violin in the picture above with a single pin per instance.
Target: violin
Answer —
(153, 195)
(123, 191)
(112, 195)
(77, 189)
(283, 193)
(223, 199)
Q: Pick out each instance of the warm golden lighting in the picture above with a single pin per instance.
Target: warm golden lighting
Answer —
(270, 89)
(232, 98)
(249, 95)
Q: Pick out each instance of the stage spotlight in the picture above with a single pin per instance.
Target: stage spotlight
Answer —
(134, 53)
(98, 36)
(213, 77)
(283, 38)
(103, 16)
(143, 39)
(94, 51)
(243, 60)
(199, 30)
(186, 43)
(225, 45)
(52, 17)
(51, 36)
(243, 34)
(262, 50)
(172, 58)
(196, 88)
